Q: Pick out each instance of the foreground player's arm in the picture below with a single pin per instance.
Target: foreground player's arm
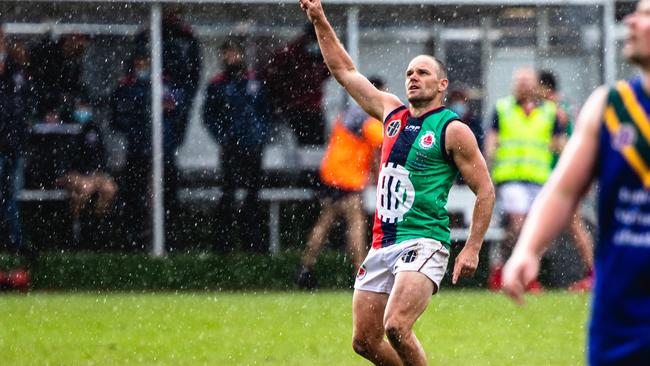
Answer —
(374, 101)
(558, 199)
(462, 147)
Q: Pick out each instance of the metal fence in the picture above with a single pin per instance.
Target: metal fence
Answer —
(482, 41)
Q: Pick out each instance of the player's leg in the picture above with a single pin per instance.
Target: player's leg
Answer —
(408, 300)
(106, 191)
(79, 195)
(368, 328)
(352, 209)
(507, 195)
(319, 232)
(515, 199)
(584, 244)
(315, 242)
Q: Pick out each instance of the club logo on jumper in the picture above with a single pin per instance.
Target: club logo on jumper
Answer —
(410, 256)
(395, 193)
(427, 140)
(361, 273)
(393, 127)
(626, 136)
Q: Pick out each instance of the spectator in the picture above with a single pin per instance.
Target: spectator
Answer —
(458, 101)
(87, 180)
(519, 147)
(181, 65)
(295, 78)
(577, 227)
(13, 135)
(56, 67)
(236, 114)
(131, 106)
(350, 156)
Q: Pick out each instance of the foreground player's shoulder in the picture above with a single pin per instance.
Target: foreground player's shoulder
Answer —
(459, 135)
(592, 111)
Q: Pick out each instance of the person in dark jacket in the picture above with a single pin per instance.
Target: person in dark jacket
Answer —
(295, 78)
(14, 96)
(131, 106)
(181, 64)
(56, 66)
(236, 114)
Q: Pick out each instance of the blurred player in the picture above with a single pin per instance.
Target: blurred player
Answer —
(424, 147)
(344, 172)
(612, 144)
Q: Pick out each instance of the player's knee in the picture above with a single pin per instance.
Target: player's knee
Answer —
(360, 346)
(395, 332)
(365, 345)
(109, 188)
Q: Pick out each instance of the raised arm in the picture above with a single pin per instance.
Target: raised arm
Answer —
(375, 102)
(462, 147)
(558, 199)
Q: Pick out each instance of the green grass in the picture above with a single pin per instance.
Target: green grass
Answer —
(278, 328)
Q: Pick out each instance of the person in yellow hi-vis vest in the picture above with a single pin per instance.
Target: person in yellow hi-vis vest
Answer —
(519, 149)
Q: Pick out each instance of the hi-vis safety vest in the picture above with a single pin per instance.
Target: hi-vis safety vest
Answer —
(524, 151)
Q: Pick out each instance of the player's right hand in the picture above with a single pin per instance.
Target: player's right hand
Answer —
(521, 269)
(313, 8)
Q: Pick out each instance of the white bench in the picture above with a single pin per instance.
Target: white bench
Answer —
(461, 201)
(274, 196)
(41, 195)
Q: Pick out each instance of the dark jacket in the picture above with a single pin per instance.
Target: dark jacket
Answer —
(181, 56)
(295, 78)
(14, 100)
(89, 153)
(131, 107)
(56, 76)
(236, 110)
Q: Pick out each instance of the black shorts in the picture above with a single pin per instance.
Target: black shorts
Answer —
(329, 192)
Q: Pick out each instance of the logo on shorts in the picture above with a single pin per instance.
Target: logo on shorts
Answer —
(410, 256)
(361, 273)
(427, 140)
(393, 127)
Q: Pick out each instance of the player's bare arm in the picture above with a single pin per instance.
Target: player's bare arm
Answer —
(375, 102)
(558, 199)
(461, 145)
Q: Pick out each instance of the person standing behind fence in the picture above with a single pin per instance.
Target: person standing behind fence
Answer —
(15, 97)
(56, 67)
(236, 113)
(181, 71)
(611, 144)
(519, 148)
(344, 173)
(295, 76)
(458, 101)
(577, 227)
(131, 108)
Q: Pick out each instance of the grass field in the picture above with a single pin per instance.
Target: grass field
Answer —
(279, 328)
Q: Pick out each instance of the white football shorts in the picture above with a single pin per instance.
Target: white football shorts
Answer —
(377, 273)
(517, 197)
